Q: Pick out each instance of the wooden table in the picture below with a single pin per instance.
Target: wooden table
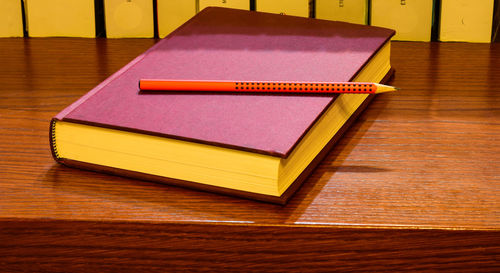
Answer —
(413, 185)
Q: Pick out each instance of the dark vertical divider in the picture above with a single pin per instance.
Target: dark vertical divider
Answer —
(312, 9)
(436, 20)
(369, 13)
(100, 25)
(496, 22)
(252, 4)
(25, 20)
(155, 18)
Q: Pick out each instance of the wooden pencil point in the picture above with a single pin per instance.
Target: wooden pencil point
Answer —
(382, 88)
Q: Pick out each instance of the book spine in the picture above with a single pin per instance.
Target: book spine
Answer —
(52, 140)
(11, 19)
(234, 4)
(466, 21)
(354, 11)
(284, 7)
(412, 19)
(129, 19)
(172, 14)
(51, 18)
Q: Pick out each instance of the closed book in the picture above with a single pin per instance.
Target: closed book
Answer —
(255, 146)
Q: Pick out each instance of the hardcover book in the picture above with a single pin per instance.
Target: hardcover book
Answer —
(250, 145)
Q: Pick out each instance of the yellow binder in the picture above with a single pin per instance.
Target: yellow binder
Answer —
(235, 4)
(412, 19)
(468, 21)
(11, 19)
(172, 14)
(73, 18)
(352, 11)
(288, 7)
(129, 18)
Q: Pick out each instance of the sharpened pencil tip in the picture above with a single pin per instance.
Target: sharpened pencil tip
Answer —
(381, 88)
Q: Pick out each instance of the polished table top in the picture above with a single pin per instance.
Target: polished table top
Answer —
(416, 180)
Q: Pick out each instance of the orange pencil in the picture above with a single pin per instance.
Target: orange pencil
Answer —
(264, 86)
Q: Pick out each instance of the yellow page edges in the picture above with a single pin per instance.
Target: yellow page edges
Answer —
(331, 121)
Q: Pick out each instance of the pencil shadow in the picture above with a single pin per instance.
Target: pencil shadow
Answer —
(235, 93)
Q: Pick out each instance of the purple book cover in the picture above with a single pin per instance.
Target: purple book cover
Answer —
(228, 44)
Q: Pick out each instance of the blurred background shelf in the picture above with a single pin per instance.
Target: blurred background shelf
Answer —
(413, 20)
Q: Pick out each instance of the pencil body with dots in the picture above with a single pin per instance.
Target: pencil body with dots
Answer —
(264, 86)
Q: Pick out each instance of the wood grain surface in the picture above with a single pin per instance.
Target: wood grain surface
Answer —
(413, 185)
